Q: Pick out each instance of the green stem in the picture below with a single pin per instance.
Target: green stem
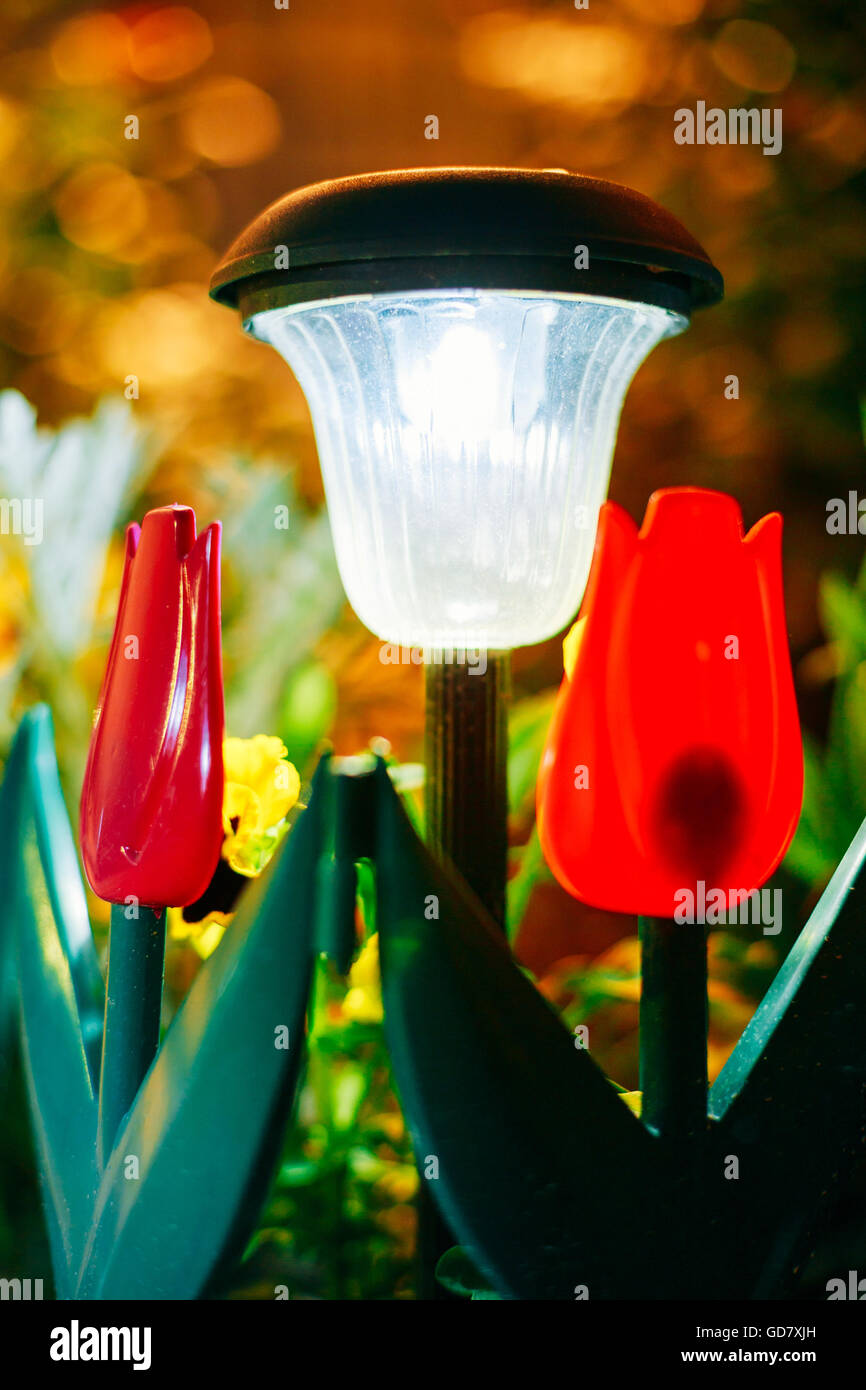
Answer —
(133, 1001)
(673, 1028)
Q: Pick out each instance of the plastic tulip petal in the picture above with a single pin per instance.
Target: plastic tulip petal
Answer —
(674, 756)
(151, 808)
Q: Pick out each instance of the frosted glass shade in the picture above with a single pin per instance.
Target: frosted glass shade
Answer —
(465, 439)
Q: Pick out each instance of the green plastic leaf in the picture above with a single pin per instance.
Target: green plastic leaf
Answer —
(44, 923)
(789, 1102)
(207, 1123)
(205, 1129)
(456, 1272)
(541, 1169)
(534, 1149)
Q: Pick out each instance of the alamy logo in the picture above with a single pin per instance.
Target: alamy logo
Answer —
(852, 1288)
(23, 1289)
(846, 516)
(714, 906)
(474, 658)
(22, 516)
(76, 1343)
(738, 126)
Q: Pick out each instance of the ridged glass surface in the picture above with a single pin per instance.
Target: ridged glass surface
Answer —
(465, 440)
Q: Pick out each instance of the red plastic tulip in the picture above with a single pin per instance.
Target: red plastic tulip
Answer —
(674, 756)
(151, 808)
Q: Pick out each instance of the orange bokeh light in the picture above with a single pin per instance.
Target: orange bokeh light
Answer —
(169, 43)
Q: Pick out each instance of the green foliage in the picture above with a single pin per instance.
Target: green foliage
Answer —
(834, 803)
(282, 593)
(527, 731)
(339, 1222)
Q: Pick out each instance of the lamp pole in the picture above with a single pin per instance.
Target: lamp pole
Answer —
(466, 819)
(466, 792)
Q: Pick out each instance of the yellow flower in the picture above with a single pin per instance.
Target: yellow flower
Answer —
(571, 646)
(203, 936)
(363, 1002)
(261, 787)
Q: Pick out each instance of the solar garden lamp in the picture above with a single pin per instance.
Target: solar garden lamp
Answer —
(465, 338)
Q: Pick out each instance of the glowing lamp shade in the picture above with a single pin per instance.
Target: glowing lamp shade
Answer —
(465, 372)
(465, 440)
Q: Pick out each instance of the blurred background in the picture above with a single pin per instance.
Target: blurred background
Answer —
(126, 388)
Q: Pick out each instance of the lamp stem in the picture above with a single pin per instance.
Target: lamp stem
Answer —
(133, 1001)
(466, 816)
(673, 1028)
(466, 789)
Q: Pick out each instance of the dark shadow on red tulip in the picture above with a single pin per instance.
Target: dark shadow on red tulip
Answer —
(699, 815)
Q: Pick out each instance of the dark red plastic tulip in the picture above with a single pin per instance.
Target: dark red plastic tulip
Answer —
(151, 809)
(674, 757)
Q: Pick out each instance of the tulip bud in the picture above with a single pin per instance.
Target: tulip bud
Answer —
(151, 807)
(678, 705)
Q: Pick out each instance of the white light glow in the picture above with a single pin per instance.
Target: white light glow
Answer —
(465, 439)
